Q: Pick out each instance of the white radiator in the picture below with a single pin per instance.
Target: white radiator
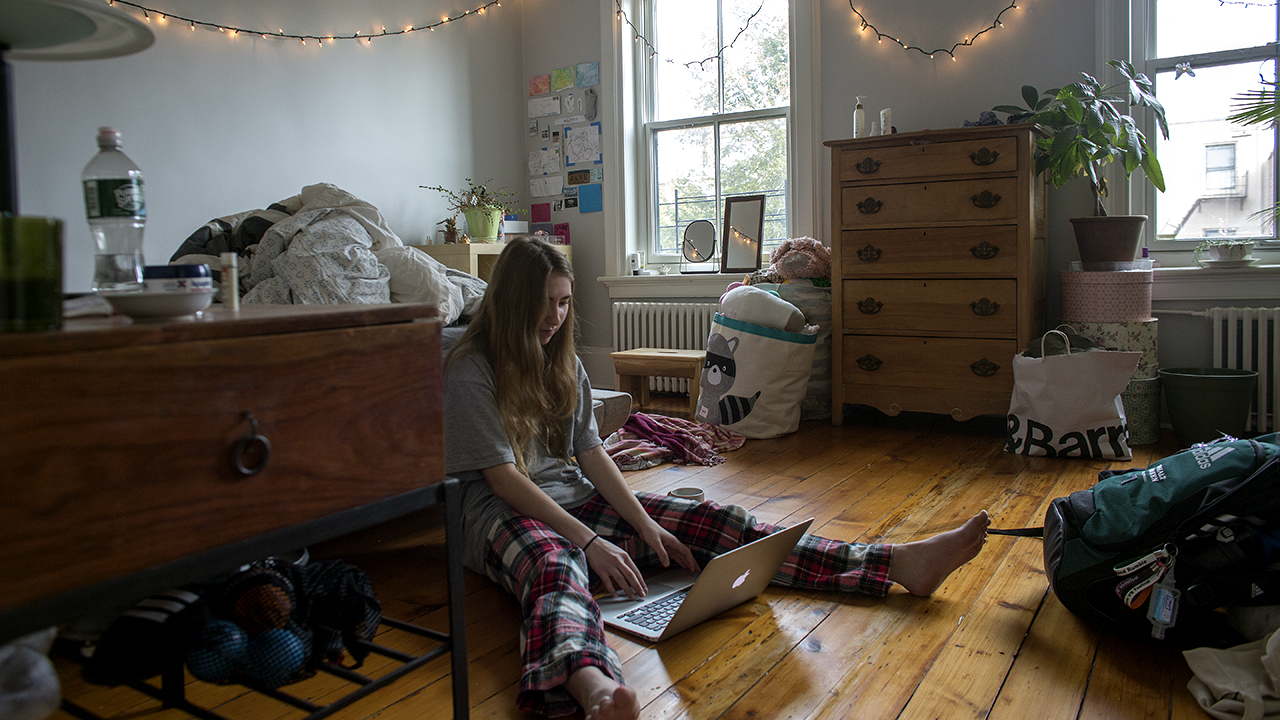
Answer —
(1249, 339)
(678, 326)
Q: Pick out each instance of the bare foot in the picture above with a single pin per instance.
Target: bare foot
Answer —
(601, 697)
(922, 566)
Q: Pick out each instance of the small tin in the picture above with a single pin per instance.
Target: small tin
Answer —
(177, 278)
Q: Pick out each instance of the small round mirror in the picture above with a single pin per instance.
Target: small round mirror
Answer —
(699, 241)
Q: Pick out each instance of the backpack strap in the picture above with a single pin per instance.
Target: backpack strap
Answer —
(1212, 591)
(1035, 532)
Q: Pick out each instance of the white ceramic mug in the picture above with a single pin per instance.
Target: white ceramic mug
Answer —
(689, 493)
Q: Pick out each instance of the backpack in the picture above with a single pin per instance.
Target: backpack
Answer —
(1192, 532)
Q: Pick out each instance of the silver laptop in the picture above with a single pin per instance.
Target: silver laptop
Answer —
(679, 599)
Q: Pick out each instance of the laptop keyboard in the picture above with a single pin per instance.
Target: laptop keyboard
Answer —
(655, 615)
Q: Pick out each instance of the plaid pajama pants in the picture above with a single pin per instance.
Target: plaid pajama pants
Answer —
(562, 630)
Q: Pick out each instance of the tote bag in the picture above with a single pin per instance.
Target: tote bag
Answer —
(754, 378)
(1069, 405)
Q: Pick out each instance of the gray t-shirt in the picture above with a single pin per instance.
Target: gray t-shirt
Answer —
(474, 439)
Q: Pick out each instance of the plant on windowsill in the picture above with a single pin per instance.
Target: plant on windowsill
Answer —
(1226, 252)
(481, 206)
(1087, 130)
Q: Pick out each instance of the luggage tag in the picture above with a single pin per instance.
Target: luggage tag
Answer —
(1163, 610)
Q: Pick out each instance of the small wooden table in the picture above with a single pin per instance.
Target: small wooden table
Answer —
(634, 367)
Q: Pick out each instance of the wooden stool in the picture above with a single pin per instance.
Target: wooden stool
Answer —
(634, 368)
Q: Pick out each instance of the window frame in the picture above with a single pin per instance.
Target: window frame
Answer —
(1141, 197)
(645, 173)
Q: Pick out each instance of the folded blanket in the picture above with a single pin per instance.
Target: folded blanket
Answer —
(647, 440)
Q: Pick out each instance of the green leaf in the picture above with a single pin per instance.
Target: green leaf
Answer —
(1151, 167)
(1011, 109)
(1030, 95)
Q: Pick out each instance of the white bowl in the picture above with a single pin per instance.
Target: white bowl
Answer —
(152, 305)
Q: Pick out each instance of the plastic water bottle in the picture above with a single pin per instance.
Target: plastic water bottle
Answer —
(117, 214)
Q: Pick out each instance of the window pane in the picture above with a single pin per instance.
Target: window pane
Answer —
(685, 31)
(686, 183)
(1217, 173)
(757, 70)
(753, 160)
(1184, 27)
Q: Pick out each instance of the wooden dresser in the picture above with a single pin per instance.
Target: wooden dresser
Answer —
(134, 459)
(939, 268)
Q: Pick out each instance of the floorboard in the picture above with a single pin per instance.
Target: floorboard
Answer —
(993, 641)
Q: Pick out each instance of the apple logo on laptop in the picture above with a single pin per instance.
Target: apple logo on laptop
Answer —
(742, 578)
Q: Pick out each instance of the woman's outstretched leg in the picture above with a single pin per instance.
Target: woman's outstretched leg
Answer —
(921, 566)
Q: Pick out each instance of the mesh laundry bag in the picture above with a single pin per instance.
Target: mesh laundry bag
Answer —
(754, 378)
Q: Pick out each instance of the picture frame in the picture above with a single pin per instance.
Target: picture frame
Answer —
(743, 235)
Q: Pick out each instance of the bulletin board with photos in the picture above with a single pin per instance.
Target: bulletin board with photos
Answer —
(565, 163)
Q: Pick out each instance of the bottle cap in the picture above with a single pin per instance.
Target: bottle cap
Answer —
(858, 99)
(108, 137)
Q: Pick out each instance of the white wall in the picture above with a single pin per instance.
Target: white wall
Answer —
(221, 125)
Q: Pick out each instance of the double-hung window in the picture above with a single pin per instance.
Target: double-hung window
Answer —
(1220, 175)
(715, 115)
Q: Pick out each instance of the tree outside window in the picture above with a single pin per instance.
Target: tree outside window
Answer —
(718, 125)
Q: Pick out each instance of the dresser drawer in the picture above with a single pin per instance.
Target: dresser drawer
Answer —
(989, 200)
(919, 251)
(929, 159)
(930, 363)
(960, 307)
(120, 459)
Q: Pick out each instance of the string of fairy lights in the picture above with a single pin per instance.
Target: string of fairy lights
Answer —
(161, 16)
(863, 25)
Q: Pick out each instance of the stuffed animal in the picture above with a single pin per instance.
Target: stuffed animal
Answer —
(801, 258)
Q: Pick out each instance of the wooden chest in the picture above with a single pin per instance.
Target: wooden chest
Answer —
(939, 268)
(119, 442)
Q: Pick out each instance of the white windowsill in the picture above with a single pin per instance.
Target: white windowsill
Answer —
(1258, 282)
(709, 285)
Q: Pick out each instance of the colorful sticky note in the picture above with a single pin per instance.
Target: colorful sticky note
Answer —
(540, 212)
(590, 199)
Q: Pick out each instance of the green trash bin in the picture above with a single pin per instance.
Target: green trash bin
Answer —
(1205, 403)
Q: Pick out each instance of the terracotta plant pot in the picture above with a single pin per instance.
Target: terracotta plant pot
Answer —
(1108, 239)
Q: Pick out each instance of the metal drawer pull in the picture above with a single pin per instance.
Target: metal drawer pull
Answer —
(870, 206)
(984, 307)
(870, 362)
(870, 306)
(985, 199)
(251, 444)
(984, 368)
(867, 165)
(870, 253)
(983, 157)
(984, 250)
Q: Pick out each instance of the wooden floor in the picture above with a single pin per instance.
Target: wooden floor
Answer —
(992, 642)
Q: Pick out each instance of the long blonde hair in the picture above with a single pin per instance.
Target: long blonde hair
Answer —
(536, 385)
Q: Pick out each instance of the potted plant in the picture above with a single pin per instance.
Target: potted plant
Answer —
(1226, 251)
(1087, 129)
(481, 206)
(450, 229)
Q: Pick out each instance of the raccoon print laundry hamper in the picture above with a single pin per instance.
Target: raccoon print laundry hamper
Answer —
(754, 378)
